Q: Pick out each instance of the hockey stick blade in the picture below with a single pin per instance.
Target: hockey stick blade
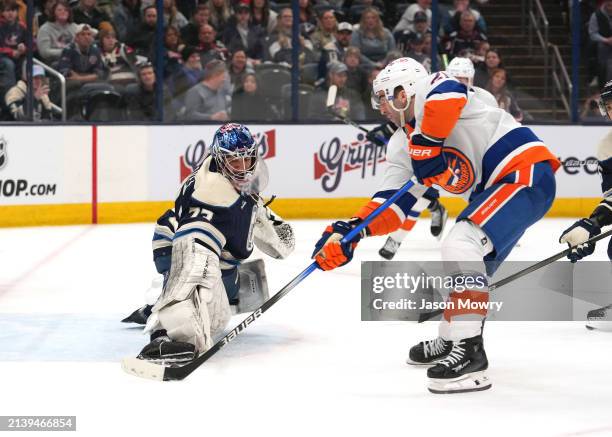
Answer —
(149, 370)
(427, 316)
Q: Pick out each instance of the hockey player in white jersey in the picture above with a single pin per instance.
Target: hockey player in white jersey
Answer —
(463, 70)
(586, 228)
(200, 245)
(474, 151)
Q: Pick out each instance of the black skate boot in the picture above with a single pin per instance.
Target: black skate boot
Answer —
(439, 216)
(163, 350)
(463, 369)
(601, 319)
(428, 352)
(389, 250)
(139, 316)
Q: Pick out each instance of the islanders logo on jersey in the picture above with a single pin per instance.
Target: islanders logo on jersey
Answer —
(195, 153)
(462, 168)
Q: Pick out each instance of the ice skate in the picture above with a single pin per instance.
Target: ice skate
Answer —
(439, 216)
(429, 352)
(163, 350)
(390, 248)
(600, 319)
(463, 369)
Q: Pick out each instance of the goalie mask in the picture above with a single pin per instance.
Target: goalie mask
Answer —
(235, 153)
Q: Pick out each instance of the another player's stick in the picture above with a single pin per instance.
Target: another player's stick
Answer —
(329, 104)
(159, 372)
(426, 316)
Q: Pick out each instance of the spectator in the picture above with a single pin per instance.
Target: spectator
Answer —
(247, 102)
(327, 27)
(374, 40)
(187, 77)
(220, 12)
(172, 16)
(87, 12)
(173, 47)
(466, 38)
(238, 68)
(12, 44)
(141, 101)
(505, 100)
(357, 78)
(407, 20)
(209, 47)
(42, 16)
(348, 103)
(43, 109)
(483, 70)
(371, 114)
(478, 57)
(590, 110)
(57, 33)
(262, 15)
(240, 33)
(307, 14)
(404, 37)
(454, 16)
(279, 49)
(189, 33)
(141, 38)
(118, 60)
(81, 64)
(600, 32)
(209, 99)
(126, 18)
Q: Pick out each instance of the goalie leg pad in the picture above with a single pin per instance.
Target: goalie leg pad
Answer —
(253, 290)
(194, 306)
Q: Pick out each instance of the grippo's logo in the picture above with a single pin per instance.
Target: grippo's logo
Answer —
(462, 168)
(195, 154)
(3, 155)
(336, 158)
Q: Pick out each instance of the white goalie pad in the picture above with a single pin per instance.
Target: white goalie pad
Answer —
(253, 290)
(193, 307)
(272, 235)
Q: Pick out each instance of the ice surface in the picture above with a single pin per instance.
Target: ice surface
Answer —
(307, 367)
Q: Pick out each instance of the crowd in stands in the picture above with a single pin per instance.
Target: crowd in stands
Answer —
(231, 59)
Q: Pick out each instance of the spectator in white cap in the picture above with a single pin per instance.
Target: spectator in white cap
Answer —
(43, 108)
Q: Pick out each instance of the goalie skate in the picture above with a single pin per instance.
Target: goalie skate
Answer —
(163, 350)
(600, 319)
(390, 248)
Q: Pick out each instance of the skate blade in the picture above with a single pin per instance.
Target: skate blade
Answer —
(477, 381)
(599, 325)
(143, 369)
(417, 364)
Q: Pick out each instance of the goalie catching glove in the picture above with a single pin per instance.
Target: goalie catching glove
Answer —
(329, 252)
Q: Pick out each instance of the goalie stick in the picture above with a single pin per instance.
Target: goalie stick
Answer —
(427, 316)
(160, 372)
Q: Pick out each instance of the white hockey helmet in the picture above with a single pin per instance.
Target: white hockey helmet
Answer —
(404, 72)
(461, 67)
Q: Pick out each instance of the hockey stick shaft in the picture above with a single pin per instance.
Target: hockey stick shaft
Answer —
(525, 271)
(178, 373)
